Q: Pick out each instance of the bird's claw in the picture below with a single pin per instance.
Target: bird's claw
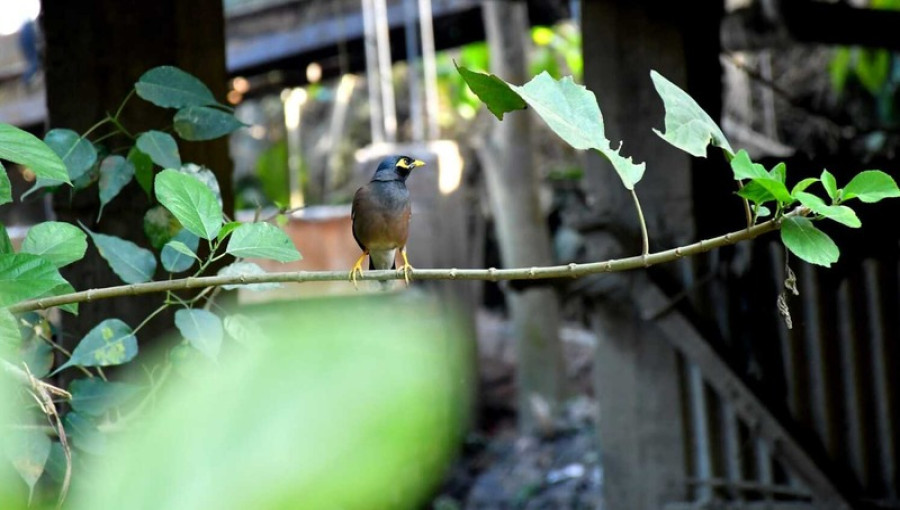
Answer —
(357, 271)
(406, 268)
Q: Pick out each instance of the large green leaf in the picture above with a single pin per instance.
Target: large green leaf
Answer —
(143, 169)
(180, 253)
(94, 396)
(78, 153)
(688, 127)
(26, 149)
(494, 92)
(804, 240)
(59, 290)
(197, 123)
(129, 261)
(202, 329)
(10, 336)
(60, 243)
(115, 173)
(170, 87)
(572, 112)
(25, 276)
(84, 434)
(28, 450)
(161, 148)
(5, 187)
(109, 343)
(569, 109)
(839, 213)
(262, 240)
(871, 186)
(5, 242)
(190, 201)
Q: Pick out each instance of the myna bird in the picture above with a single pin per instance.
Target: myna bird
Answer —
(380, 216)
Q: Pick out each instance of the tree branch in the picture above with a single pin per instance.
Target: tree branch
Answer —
(524, 273)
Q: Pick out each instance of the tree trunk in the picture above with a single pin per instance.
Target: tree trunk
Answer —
(95, 51)
(521, 228)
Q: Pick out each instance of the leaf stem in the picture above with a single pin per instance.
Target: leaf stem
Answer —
(645, 239)
(122, 105)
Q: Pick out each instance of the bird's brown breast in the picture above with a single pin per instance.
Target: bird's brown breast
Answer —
(381, 212)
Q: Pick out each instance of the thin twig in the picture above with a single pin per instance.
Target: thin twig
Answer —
(525, 273)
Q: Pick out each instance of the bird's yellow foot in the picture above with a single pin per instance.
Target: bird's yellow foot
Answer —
(357, 270)
(406, 268)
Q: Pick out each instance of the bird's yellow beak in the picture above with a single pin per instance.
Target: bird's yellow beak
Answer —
(417, 163)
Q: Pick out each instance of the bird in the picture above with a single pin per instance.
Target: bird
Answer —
(380, 216)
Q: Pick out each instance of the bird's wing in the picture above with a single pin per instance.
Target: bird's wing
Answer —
(361, 195)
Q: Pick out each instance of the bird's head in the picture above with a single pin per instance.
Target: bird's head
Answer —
(396, 168)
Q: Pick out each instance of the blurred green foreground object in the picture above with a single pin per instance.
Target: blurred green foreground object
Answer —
(352, 403)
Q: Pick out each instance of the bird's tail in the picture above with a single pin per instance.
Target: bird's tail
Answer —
(384, 284)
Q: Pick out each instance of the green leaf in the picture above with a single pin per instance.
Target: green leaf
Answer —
(143, 169)
(60, 243)
(572, 113)
(5, 187)
(871, 186)
(839, 69)
(197, 123)
(246, 268)
(170, 87)
(23, 148)
(493, 92)
(25, 276)
(779, 173)
(688, 127)
(28, 450)
(10, 336)
(762, 211)
(262, 240)
(243, 328)
(84, 435)
(190, 201)
(830, 184)
(78, 153)
(94, 396)
(839, 213)
(115, 173)
(569, 109)
(204, 175)
(64, 288)
(5, 242)
(776, 189)
(202, 329)
(109, 343)
(38, 355)
(179, 254)
(227, 229)
(160, 226)
(745, 169)
(802, 185)
(129, 261)
(804, 240)
(161, 148)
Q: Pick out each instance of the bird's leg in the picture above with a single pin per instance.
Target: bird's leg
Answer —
(406, 267)
(357, 269)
